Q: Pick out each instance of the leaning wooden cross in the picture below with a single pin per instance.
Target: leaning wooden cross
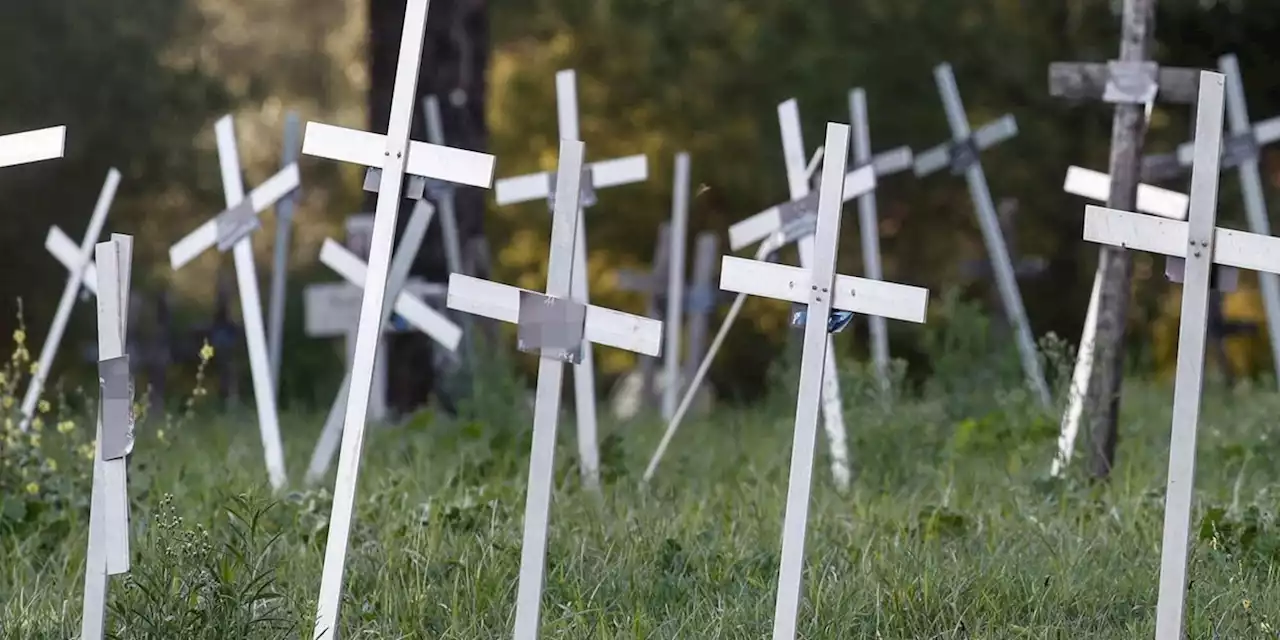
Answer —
(885, 163)
(1133, 84)
(540, 186)
(1207, 250)
(78, 264)
(555, 326)
(1153, 200)
(444, 195)
(824, 292)
(32, 146)
(280, 261)
(108, 549)
(420, 316)
(232, 230)
(774, 228)
(394, 155)
(961, 155)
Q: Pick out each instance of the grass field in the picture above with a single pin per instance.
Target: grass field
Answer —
(951, 530)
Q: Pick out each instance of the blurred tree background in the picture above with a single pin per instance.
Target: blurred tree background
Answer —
(140, 82)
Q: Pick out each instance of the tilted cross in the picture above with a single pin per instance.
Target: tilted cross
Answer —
(79, 262)
(1203, 247)
(394, 155)
(541, 186)
(961, 154)
(555, 326)
(108, 546)
(822, 291)
(231, 230)
(32, 146)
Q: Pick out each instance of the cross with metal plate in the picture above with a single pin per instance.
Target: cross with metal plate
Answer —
(823, 291)
(961, 155)
(541, 186)
(418, 315)
(280, 265)
(232, 230)
(555, 326)
(108, 549)
(1204, 248)
(32, 146)
(886, 163)
(79, 263)
(1096, 185)
(392, 156)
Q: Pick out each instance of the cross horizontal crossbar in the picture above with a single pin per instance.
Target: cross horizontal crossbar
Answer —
(32, 146)
(425, 159)
(761, 225)
(987, 136)
(1085, 80)
(1264, 133)
(859, 295)
(332, 309)
(66, 251)
(413, 310)
(261, 198)
(603, 326)
(604, 174)
(1154, 200)
(1140, 232)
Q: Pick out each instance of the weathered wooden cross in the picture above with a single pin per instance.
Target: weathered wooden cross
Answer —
(555, 326)
(232, 230)
(1133, 84)
(1096, 185)
(32, 146)
(885, 163)
(540, 186)
(823, 292)
(1205, 248)
(398, 300)
(280, 262)
(961, 155)
(108, 548)
(79, 264)
(395, 155)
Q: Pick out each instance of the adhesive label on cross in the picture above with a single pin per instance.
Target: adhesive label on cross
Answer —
(797, 210)
(551, 327)
(116, 406)
(1238, 149)
(836, 322)
(414, 186)
(586, 190)
(963, 154)
(235, 224)
(1130, 82)
(1221, 278)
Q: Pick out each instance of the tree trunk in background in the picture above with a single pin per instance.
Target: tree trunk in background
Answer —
(455, 58)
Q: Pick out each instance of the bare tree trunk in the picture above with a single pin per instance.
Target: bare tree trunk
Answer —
(455, 57)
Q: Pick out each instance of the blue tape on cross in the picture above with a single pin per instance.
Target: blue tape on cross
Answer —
(836, 322)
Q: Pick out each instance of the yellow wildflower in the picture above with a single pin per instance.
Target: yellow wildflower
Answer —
(43, 406)
(1247, 604)
(35, 439)
(37, 424)
(53, 464)
(66, 426)
(206, 352)
(8, 402)
(33, 488)
(86, 451)
(19, 336)
(160, 434)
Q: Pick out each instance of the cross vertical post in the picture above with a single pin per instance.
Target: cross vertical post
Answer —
(675, 285)
(280, 265)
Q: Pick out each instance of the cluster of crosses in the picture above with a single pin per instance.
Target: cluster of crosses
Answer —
(560, 325)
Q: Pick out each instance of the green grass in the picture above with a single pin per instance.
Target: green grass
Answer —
(950, 530)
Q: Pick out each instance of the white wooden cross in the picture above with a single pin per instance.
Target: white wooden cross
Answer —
(108, 548)
(32, 146)
(886, 163)
(793, 221)
(1206, 249)
(78, 264)
(555, 326)
(962, 156)
(232, 229)
(675, 285)
(444, 195)
(823, 291)
(420, 316)
(538, 186)
(1095, 185)
(394, 155)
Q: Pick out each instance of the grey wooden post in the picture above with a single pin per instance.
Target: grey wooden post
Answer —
(701, 304)
(280, 266)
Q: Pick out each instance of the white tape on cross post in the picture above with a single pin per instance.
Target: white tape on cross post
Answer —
(79, 263)
(32, 146)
